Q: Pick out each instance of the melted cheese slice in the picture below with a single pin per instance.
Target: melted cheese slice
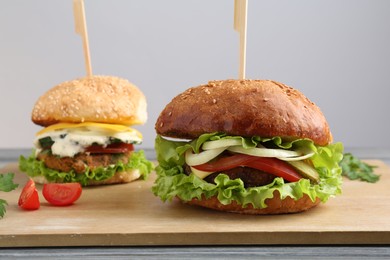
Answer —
(98, 127)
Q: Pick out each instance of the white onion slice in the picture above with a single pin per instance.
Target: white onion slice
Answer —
(264, 152)
(172, 139)
(220, 143)
(202, 157)
(298, 158)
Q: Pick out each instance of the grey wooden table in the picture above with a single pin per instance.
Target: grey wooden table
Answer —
(203, 252)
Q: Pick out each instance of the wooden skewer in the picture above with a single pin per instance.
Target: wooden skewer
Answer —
(81, 29)
(240, 25)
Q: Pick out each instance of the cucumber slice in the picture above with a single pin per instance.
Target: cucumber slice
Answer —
(200, 174)
(306, 170)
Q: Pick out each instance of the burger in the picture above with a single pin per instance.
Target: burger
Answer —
(87, 136)
(246, 146)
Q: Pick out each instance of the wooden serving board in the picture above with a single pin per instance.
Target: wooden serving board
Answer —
(129, 214)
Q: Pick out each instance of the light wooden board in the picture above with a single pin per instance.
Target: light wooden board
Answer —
(129, 214)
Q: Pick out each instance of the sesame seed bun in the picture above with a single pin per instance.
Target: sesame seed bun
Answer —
(100, 99)
(246, 108)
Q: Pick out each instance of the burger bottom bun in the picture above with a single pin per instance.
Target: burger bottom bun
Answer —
(276, 205)
(119, 177)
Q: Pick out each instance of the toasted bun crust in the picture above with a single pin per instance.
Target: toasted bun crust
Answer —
(101, 99)
(275, 205)
(246, 108)
(119, 177)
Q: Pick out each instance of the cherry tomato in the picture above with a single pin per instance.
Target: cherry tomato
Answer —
(270, 165)
(29, 198)
(61, 194)
(111, 148)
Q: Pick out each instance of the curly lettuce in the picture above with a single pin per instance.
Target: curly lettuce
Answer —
(34, 167)
(172, 181)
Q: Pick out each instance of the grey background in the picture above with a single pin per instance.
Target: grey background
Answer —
(336, 52)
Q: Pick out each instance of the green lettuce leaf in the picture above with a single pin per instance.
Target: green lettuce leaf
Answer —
(34, 167)
(247, 142)
(172, 181)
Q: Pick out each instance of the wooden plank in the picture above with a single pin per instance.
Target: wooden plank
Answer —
(129, 214)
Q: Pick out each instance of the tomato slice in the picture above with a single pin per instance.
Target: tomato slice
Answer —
(29, 198)
(62, 194)
(111, 148)
(226, 163)
(275, 167)
(270, 165)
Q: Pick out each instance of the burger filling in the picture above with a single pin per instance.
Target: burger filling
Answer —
(249, 176)
(82, 161)
(84, 147)
(86, 151)
(67, 142)
(231, 158)
(247, 170)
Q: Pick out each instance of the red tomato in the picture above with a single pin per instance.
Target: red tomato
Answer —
(61, 194)
(270, 165)
(111, 148)
(275, 167)
(226, 163)
(29, 198)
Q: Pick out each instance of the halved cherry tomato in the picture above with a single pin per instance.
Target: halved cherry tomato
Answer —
(270, 165)
(29, 198)
(111, 148)
(61, 194)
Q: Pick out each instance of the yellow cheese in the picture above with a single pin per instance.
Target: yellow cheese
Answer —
(113, 128)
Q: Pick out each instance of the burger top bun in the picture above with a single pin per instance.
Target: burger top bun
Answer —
(100, 99)
(246, 108)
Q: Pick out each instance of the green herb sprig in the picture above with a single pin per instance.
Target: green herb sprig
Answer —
(6, 185)
(355, 169)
